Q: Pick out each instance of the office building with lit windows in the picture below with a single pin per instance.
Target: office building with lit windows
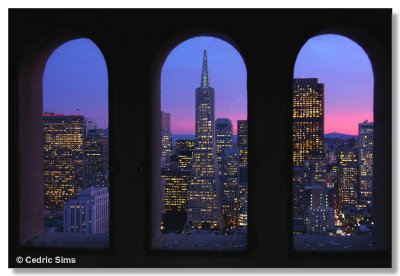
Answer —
(319, 213)
(301, 178)
(308, 119)
(96, 158)
(365, 161)
(223, 137)
(176, 194)
(166, 138)
(88, 213)
(242, 130)
(89, 124)
(184, 150)
(348, 170)
(204, 210)
(230, 185)
(63, 158)
(242, 144)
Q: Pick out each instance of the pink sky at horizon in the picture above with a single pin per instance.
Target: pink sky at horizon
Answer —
(338, 62)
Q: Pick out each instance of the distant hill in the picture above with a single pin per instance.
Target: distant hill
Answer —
(337, 135)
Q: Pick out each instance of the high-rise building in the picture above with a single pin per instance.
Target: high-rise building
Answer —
(89, 124)
(242, 144)
(204, 211)
(96, 158)
(230, 185)
(308, 119)
(312, 199)
(242, 130)
(176, 195)
(301, 179)
(63, 158)
(317, 167)
(88, 213)
(348, 170)
(166, 138)
(365, 161)
(224, 137)
(320, 215)
(184, 150)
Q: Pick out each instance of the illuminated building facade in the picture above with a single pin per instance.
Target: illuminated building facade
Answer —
(176, 185)
(88, 213)
(348, 170)
(230, 185)
(204, 203)
(365, 161)
(90, 124)
(308, 119)
(184, 150)
(301, 178)
(224, 137)
(63, 158)
(96, 158)
(320, 215)
(166, 138)
(242, 144)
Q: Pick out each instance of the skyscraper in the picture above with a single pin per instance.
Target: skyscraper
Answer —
(320, 215)
(184, 151)
(301, 178)
(88, 213)
(348, 186)
(242, 144)
(224, 137)
(166, 138)
(365, 161)
(96, 158)
(230, 184)
(308, 119)
(176, 194)
(204, 202)
(242, 130)
(63, 158)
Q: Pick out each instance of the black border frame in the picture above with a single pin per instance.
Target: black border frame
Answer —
(132, 76)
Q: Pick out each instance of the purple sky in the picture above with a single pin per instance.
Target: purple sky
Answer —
(181, 75)
(76, 78)
(345, 69)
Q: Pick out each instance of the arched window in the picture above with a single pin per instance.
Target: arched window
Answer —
(203, 159)
(74, 127)
(332, 146)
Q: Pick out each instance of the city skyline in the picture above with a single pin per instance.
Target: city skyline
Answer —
(346, 71)
(204, 179)
(338, 62)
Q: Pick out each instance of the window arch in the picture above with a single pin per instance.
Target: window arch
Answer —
(204, 132)
(332, 145)
(64, 190)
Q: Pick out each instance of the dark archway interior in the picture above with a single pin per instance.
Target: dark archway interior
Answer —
(134, 44)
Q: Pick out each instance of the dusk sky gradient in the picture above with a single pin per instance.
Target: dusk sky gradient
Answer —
(75, 78)
(181, 75)
(346, 72)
